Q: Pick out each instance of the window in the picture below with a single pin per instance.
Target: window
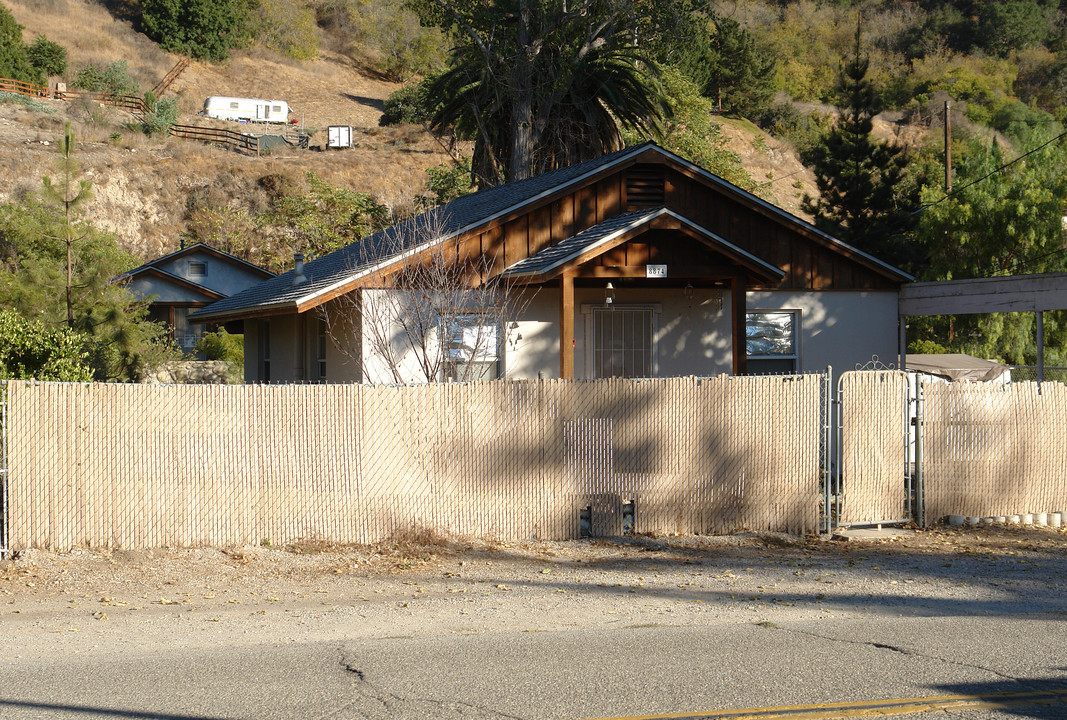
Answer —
(472, 347)
(197, 268)
(277, 108)
(234, 105)
(622, 342)
(771, 342)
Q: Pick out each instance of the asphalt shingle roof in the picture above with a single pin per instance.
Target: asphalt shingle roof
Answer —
(446, 221)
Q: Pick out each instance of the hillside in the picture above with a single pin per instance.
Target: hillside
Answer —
(144, 188)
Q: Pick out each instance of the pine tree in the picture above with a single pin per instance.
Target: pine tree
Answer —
(858, 176)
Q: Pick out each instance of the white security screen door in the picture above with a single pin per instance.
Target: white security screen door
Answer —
(622, 342)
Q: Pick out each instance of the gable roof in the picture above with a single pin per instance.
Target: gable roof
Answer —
(195, 248)
(209, 294)
(343, 269)
(610, 233)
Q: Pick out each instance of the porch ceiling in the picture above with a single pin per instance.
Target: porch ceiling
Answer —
(593, 242)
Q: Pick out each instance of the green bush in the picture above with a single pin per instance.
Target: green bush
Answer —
(30, 350)
(203, 29)
(221, 345)
(14, 62)
(410, 104)
(28, 102)
(161, 115)
(113, 80)
(47, 56)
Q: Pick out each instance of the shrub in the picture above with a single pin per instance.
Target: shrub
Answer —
(221, 345)
(204, 29)
(410, 104)
(113, 80)
(14, 62)
(288, 28)
(30, 350)
(47, 56)
(161, 115)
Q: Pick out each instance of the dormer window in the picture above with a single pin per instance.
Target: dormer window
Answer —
(198, 269)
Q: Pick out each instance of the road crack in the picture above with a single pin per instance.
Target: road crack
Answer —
(906, 651)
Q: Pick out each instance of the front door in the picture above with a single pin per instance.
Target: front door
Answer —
(622, 342)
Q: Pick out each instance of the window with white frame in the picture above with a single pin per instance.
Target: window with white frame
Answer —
(772, 341)
(472, 346)
(622, 342)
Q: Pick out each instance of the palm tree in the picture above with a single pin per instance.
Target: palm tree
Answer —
(544, 85)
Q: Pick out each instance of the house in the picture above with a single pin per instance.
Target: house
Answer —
(637, 263)
(193, 277)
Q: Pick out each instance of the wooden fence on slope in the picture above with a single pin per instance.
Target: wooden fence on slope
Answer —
(133, 466)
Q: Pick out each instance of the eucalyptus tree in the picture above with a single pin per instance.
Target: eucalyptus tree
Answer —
(542, 83)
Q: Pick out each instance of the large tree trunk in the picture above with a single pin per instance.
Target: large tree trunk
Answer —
(522, 142)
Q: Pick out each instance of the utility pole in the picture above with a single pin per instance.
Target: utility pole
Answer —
(948, 148)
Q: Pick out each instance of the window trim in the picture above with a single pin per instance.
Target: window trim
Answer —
(194, 265)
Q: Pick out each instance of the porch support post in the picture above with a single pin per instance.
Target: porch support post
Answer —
(566, 325)
(737, 302)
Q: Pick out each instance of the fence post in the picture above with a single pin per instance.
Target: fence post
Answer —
(918, 488)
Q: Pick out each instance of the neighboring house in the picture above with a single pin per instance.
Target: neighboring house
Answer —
(643, 265)
(192, 278)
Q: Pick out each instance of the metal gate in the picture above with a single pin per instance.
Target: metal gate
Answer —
(873, 477)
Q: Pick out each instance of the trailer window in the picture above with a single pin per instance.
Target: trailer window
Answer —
(234, 106)
(277, 108)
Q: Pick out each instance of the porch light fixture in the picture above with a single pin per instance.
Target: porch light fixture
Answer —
(609, 294)
(688, 291)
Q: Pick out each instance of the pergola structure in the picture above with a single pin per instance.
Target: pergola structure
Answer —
(1014, 293)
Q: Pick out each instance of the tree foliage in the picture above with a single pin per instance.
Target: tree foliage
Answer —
(31, 350)
(47, 56)
(859, 177)
(740, 71)
(202, 29)
(1003, 219)
(114, 79)
(539, 84)
(288, 27)
(14, 60)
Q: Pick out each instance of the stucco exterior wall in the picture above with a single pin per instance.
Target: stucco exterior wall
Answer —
(842, 329)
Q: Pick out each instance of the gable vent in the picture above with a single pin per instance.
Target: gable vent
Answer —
(644, 188)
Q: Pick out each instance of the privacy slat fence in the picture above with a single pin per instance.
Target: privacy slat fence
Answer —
(992, 450)
(874, 436)
(149, 466)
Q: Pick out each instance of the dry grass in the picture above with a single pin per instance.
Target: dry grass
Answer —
(91, 35)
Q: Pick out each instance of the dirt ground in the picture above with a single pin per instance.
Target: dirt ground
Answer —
(424, 584)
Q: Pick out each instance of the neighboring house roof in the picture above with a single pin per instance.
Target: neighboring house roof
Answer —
(347, 267)
(208, 294)
(198, 248)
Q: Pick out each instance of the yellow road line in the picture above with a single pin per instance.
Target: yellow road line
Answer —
(882, 708)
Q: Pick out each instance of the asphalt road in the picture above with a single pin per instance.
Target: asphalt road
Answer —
(700, 634)
(620, 672)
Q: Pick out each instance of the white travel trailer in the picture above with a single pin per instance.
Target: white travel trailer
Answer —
(247, 109)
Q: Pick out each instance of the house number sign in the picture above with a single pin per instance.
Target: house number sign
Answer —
(655, 271)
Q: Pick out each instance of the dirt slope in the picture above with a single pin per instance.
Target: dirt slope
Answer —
(143, 187)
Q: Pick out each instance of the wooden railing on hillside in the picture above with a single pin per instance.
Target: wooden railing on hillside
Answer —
(216, 135)
(23, 88)
(170, 77)
(137, 107)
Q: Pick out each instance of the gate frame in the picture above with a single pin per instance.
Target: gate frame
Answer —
(912, 488)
